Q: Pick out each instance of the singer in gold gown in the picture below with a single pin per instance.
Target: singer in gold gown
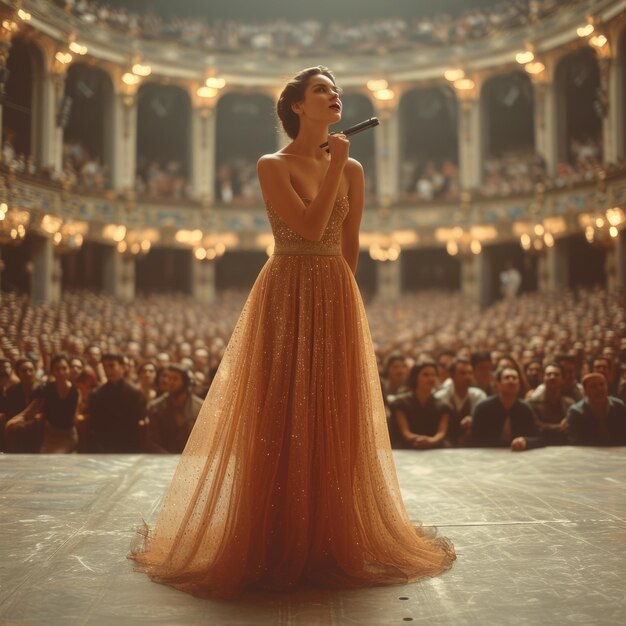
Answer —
(288, 477)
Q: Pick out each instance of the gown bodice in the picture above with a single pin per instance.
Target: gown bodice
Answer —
(289, 242)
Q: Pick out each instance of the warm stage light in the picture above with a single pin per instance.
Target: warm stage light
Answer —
(377, 84)
(585, 31)
(215, 83)
(206, 92)
(384, 94)
(464, 84)
(130, 79)
(63, 57)
(453, 74)
(535, 68)
(78, 48)
(142, 70)
(598, 41)
(524, 57)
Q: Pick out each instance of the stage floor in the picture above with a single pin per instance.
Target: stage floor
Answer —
(540, 538)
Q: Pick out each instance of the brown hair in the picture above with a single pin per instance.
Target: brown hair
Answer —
(294, 92)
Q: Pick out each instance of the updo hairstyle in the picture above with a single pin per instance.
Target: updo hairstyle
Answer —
(293, 93)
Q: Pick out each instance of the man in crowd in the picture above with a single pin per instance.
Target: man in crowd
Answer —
(570, 387)
(604, 365)
(172, 415)
(462, 399)
(598, 419)
(20, 435)
(482, 368)
(550, 406)
(393, 381)
(115, 410)
(504, 419)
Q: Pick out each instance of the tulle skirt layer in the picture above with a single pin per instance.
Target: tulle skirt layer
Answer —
(288, 476)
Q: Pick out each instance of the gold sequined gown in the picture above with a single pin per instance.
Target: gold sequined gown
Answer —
(288, 476)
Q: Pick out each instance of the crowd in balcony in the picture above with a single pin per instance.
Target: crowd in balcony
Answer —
(79, 362)
(314, 36)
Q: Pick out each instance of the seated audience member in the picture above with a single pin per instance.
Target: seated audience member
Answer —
(598, 419)
(461, 398)
(603, 365)
(7, 378)
(532, 371)
(146, 375)
(114, 411)
(444, 360)
(172, 416)
(550, 406)
(94, 360)
(161, 381)
(419, 420)
(504, 419)
(22, 437)
(482, 368)
(54, 403)
(571, 387)
(393, 381)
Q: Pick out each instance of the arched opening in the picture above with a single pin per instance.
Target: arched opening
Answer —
(430, 268)
(581, 108)
(428, 145)
(163, 141)
(19, 122)
(246, 129)
(82, 269)
(357, 108)
(511, 164)
(85, 115)
(238, 269)
(586, 263)
(164, 270)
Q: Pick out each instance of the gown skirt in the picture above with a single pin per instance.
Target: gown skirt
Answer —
(288, 476)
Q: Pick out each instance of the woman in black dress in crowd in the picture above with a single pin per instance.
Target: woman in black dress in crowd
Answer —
(419, 420)
(54, 404)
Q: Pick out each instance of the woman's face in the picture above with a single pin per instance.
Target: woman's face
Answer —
(321, 101)
(148, 374)
(427, 379)
(76, 369)
(61, 370)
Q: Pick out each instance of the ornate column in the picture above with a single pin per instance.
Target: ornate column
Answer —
(203, 153)
(7, 29)
(119, 274)
(124, 148)
(612, 98)
(52, 90)
(46, 267)
(202, 280)
(387, 149)
(470, 139)
(546, 126)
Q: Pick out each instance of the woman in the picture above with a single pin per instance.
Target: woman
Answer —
(420, 420)
(56, 401)
(147, 374)
(288, 475)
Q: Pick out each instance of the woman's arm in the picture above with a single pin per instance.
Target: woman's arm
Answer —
(29, 412)
(352, 223)
(442, 429)
(403, 426)
(307, 221)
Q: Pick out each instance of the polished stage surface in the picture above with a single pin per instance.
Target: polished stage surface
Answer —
(540, 538)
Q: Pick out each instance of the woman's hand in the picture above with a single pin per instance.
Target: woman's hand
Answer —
(339, 148)
(422, 442)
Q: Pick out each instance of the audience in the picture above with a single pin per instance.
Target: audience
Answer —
(550, 405)
(172, 416)
(306, 37)
(580, 332)
(419, 420)
(114, 411)
(504, 419)
(461, 398)
(598, 419)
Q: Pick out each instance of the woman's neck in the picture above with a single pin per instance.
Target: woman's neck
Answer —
(308, 142)
(423, 395)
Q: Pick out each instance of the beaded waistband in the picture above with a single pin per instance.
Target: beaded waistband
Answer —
(312, 252)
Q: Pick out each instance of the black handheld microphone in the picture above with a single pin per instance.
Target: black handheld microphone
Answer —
(357, 128)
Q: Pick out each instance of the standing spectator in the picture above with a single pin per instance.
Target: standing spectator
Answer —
(504, 419)
(510, 282)
(419, 419)
(171, 417)
(550, 406)
(462, 399)
(598, 419)
(115, 410)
